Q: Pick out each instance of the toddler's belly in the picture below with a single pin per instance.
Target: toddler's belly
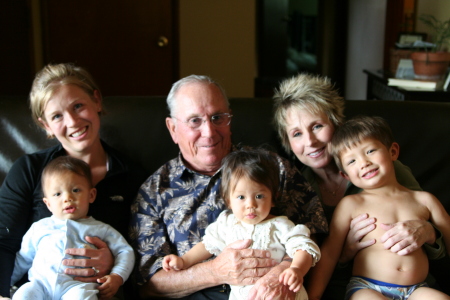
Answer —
(377, 263)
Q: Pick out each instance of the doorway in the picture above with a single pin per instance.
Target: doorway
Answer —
(300, 36)
(130, 47)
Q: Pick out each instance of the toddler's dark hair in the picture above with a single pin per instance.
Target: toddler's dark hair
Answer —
(64, 164)
(258, 165)
(355, 130)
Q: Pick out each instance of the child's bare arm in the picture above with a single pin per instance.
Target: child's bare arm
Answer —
(197, 254)
(109, 285)
(331, 249)
(293, 276)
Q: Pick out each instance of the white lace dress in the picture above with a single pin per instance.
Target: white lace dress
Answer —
(278, 235)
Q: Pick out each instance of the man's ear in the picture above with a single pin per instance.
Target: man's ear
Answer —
(171, 126)
(395, 151)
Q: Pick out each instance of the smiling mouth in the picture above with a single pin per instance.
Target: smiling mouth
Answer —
(210, 146)
(316, 153)
(79, 132)
(370, 173)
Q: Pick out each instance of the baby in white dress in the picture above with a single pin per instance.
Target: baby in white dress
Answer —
(250, 183)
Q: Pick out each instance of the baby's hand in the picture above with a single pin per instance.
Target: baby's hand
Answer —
(172, 262)
(109, 286)
(293, 278)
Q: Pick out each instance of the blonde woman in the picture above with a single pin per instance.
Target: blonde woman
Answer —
(308, 109)
(67, 103)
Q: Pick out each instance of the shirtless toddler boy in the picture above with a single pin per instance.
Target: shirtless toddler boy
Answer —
(364, 150)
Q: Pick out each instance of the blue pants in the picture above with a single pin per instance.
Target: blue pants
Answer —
(36, 291)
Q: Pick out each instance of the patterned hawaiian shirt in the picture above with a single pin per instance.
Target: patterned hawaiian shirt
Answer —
(175, 205)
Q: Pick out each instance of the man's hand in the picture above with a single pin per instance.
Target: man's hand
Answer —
(359, 227)
(101, 259)
(237, 265)
(406, 237)
(269, 286)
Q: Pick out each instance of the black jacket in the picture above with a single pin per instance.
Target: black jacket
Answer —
(21, 201)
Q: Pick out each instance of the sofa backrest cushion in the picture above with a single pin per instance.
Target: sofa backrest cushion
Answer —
(136, 126)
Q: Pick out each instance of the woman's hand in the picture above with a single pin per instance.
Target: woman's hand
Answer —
(101, 259)
(408, 236)
(359, 227)
(237, 265)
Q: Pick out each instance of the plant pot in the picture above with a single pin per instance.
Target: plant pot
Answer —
(430, 65)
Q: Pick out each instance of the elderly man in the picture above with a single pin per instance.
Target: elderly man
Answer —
(177, 203)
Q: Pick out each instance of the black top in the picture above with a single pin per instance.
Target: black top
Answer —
(21, 201)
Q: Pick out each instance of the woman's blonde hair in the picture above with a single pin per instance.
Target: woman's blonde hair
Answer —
(314, 94)
(50, 79)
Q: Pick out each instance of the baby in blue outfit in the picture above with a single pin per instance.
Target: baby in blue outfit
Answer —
(68, 191)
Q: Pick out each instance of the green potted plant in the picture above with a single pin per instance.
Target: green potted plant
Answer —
(431, 64)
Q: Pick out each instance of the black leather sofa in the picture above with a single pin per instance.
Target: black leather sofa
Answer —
(136, 126)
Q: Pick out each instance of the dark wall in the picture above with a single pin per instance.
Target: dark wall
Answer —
(15, 50)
